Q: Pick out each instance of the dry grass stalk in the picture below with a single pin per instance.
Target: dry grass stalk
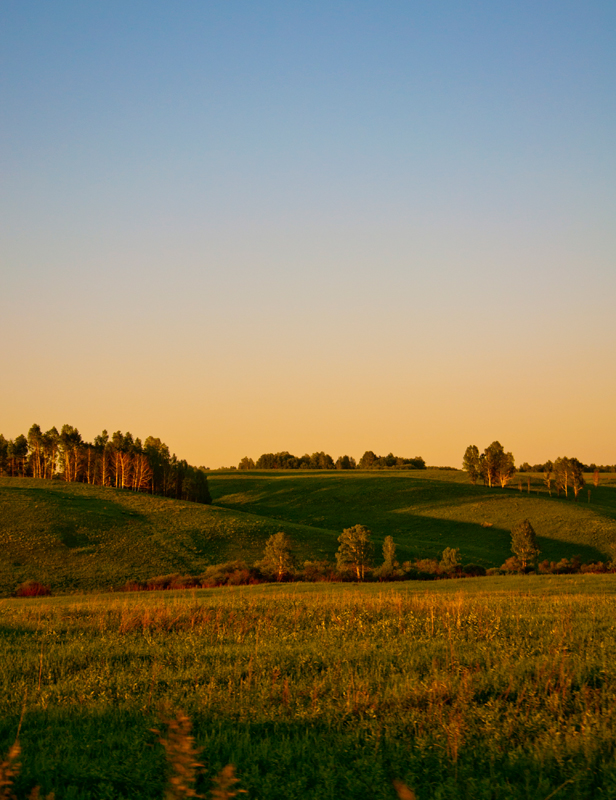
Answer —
(35, 794)
(403, 791)
(224, 784)
(181, 755)
(9, 770)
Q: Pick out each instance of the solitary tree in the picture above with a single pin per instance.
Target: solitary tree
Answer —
(470, 463)
(450, 559)
(389, 553)
(277, 557)
(524, 543)
(355, 550)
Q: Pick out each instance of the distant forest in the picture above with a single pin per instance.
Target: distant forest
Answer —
(321, 460)
(118, 460)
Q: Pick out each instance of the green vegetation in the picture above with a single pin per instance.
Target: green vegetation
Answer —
(75, 536)
(78, 537)
(427, 510)
(486, 688)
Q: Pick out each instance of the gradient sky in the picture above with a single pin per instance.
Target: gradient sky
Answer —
(259, 226)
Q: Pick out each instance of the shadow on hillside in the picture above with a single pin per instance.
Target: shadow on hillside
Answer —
(73, 516)
(427, 537)
(365, 488)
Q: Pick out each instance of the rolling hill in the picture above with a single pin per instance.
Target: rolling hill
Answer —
(81, 537)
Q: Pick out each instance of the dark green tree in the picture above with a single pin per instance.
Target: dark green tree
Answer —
(524, 543)
(367, 460)
(470, 463)
(17, 452)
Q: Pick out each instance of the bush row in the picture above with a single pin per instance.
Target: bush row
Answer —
(239, 573)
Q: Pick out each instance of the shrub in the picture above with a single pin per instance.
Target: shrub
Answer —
(32, 589)
(414, 572)
(231, 573)
(317, 571)
(512, 565)
(598, 567)
(161, 582)
(132, 586)
(474, 570)
(428, 565)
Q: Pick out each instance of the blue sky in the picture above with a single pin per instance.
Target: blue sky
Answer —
(312, 225)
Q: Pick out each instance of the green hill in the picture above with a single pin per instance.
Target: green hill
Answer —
(75, 536)
(428, 510)
(86, 537)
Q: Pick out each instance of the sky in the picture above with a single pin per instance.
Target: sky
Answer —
(251, 227)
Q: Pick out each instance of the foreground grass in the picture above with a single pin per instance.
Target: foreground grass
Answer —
(490, 688)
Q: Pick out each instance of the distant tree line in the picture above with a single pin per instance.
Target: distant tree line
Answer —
(321, 460)
(526, 467)
(496, 467)
(118, 460)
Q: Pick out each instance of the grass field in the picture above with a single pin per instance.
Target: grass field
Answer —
(483, 688)
(79, 537)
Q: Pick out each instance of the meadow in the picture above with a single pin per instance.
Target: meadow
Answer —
(76, 537)
(480, 688)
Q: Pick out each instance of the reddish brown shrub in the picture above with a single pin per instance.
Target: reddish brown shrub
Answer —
(32, 589)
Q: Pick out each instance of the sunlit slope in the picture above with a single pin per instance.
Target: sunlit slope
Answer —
(426, 511)
(83, 537)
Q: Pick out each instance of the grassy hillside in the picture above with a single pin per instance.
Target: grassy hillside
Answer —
(84, 537)
(79, 536)
(426, 511)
